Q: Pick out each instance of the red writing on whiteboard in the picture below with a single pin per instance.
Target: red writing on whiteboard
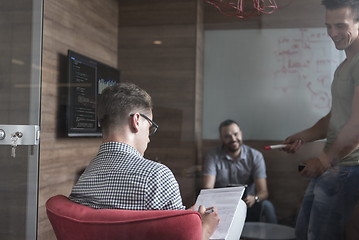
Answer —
(303, 58)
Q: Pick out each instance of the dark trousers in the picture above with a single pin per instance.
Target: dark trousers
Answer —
(262, 212)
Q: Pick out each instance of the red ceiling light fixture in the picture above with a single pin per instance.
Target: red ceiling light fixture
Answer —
(244, 8)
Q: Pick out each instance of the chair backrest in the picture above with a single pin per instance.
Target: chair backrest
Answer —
(76, 222)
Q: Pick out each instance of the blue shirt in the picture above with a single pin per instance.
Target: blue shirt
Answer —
(120, 177)
(245, 169)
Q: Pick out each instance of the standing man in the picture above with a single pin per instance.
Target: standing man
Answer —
(234, 163)
(120, 177)
(334, 189)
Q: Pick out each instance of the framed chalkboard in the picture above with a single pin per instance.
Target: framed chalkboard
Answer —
(274, 82)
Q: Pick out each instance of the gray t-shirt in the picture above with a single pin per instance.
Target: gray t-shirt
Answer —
(346, 78)
(245, 169)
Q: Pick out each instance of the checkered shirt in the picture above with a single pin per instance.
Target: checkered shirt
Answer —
(120, 177)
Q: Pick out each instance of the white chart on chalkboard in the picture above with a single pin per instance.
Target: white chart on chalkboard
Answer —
(274, 82)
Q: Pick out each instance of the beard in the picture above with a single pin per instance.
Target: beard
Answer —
(233, 148)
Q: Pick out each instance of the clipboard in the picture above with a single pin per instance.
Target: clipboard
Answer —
(231, 210)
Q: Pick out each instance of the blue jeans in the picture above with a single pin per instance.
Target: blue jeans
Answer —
(327, 204)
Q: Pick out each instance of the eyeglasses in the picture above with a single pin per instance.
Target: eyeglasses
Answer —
(153, 125)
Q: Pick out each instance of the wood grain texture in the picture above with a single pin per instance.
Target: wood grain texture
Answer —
(171, 73)
(90, 28)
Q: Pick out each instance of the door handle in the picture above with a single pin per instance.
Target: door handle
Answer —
(26, 134)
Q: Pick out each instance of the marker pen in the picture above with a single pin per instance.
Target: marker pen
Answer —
(275, 146)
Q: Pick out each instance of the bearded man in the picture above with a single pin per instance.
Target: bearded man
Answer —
(233, 164)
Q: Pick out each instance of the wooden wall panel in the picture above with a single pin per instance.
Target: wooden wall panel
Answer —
(157, 12)
(170, 72)
(88, 27)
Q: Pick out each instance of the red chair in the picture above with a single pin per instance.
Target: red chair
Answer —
(72, 221)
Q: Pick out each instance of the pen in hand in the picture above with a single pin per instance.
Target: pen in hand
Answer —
(209, 211)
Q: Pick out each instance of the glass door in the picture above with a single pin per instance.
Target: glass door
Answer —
(20, 81)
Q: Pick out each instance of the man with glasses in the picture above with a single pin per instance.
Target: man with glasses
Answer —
(119, 176)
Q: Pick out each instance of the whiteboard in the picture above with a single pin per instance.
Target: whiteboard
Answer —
(274, 82)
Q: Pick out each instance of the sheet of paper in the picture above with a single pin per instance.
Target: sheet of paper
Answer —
(226, 201)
